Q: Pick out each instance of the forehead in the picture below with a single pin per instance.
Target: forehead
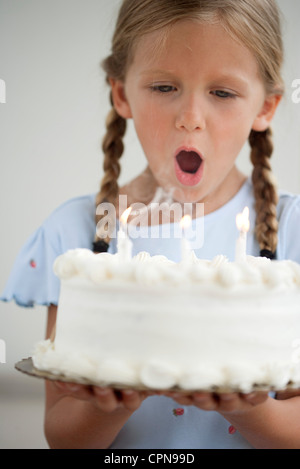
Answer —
(189, 45)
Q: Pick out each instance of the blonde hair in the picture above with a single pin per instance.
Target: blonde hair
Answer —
(254, 23)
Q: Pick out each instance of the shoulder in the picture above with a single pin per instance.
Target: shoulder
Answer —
(82, 205)
(289, 226)
(72, 223)
(70, 226)
(288, 206)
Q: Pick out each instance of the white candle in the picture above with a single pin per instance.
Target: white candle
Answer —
(243, 225)
(124, 243)
(185, 245)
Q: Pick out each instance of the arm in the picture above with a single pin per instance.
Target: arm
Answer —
(85, 417)
(271, 425)
(264, 422)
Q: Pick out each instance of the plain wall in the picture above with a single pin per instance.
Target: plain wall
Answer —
(51, 128)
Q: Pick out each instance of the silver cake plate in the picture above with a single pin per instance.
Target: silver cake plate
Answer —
(26, 366)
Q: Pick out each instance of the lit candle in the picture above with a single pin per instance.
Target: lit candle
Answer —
(124, 243)
(243, 225)
(185, 224)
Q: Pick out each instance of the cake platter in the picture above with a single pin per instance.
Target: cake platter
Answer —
(27, 367)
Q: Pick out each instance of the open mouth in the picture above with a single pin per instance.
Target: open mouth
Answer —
(189, 161)
(188, 167)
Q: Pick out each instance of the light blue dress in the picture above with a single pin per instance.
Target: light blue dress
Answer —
(32, 281)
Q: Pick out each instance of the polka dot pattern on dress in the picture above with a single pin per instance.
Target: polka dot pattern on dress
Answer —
(231, 430)
(178, 412)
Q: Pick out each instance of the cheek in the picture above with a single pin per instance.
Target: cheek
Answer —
(151, 128)
(232, 133)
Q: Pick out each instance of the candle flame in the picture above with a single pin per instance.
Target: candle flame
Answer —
(242, 221)
(125, 215)
(186, 222)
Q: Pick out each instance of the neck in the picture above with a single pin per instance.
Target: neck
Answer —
(219, 197)
(144, 190)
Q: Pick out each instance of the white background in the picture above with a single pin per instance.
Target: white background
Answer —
(51, 129)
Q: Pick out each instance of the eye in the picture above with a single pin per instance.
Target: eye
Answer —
(223, 94)
(163, 88)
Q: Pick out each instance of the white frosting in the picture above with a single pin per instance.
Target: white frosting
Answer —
(198, 325)
(158, 375)
(151, 270)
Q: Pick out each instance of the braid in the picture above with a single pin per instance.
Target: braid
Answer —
(113, 148)
(265, 192)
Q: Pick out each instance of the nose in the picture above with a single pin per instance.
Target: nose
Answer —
(190, 116)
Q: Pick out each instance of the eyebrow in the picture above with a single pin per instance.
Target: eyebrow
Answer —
(233, 78)
(158, 72)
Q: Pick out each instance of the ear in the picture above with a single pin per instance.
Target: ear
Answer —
(264, 118)
(120, 101)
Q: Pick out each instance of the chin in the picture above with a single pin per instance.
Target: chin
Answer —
(187, 195)
(179, 192)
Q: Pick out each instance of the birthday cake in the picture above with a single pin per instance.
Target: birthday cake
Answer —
(151, 323)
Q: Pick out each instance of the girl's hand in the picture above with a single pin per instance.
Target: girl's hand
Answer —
(288, 394)
(105, 399)
(223, 403)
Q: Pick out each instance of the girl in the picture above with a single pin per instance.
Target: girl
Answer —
(198, 78)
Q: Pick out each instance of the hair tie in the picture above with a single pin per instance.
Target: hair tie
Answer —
(268, 254)
(100, 246)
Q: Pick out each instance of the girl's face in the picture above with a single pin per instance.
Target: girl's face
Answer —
(194, 101)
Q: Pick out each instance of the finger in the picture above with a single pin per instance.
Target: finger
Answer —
(256, 398)
(181, 398)
(64, 388)
(229, 402)
(283, 395)
(106, 399)
(205, 401)
(78, 391)
(132, 400)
